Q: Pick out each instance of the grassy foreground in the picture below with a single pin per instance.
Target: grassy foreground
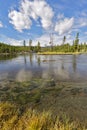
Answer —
(58, 53)
(13, 117)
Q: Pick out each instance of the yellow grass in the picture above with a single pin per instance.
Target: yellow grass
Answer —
(59, 53)
(11, 118)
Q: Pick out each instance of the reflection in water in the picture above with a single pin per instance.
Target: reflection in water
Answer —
(38, 61)
(7, 57)
(74, 63)
(31, 59)
(23, 76)
(25, 59)
(60, 67)
(51, 65)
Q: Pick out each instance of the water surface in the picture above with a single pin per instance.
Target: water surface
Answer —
(59, 67)
(46, 82)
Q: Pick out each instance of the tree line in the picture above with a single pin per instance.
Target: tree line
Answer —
(5, 48)
(64, 47)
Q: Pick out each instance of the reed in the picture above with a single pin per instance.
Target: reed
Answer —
(14, 118)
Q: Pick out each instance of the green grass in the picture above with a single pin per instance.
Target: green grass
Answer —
(14, 118)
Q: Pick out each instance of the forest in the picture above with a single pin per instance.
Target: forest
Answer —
(64, 47)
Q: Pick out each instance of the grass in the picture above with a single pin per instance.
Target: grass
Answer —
(59, 53)
(14, 118)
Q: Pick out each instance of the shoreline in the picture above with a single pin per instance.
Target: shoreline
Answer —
(18, 53)
(7, 54)
(61, 53)
(45, 53)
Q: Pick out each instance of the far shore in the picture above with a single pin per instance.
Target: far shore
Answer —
(7, 54)
(44, 53)
(14, 53)
(61, 53)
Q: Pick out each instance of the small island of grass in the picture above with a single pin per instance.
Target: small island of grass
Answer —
(59, 53)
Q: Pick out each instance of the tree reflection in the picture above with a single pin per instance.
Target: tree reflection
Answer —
(51, 67)
(74, 63)
(25, 61)
(62, 64)
(38, 61)
(31, 59)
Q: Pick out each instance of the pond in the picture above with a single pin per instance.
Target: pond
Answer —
(59, 67)
(46, 82)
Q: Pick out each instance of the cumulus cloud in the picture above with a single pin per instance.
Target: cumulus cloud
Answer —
(19, 20)
(43, 39)
(82, 22)
(57, 39)
(1, 25)
(64, 26)
(15, 42)
(11, 41)
(28, 10)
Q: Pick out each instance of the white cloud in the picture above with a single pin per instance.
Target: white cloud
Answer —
(1, 25)
(19, 20)
(82, 22)
(83, 13)
(85, 33)
(11, 41)
(28, 10)
(14, 42)
(43, 39)
(64, 26)
(57, 39)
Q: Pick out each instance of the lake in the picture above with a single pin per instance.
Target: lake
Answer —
(59, 67)
(46, 82)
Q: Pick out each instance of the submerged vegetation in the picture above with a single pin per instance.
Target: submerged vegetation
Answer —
(42, 105)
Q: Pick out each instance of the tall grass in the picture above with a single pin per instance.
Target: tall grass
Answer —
(14, 118)
(58, 53)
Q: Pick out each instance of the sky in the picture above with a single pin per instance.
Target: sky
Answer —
(38, 19)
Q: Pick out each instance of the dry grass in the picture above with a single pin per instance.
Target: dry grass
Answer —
(12, 118)
(59, 53)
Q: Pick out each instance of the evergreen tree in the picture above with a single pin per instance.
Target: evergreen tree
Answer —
(38, 46)
(30, 45)
(24, 43)
(76, 42)
(85, 46)
(51, 41)
(64, 39)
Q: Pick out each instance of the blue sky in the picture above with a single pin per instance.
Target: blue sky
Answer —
(37, 19)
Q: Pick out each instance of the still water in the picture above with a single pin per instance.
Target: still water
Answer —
(59, 67)
(46, 82)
